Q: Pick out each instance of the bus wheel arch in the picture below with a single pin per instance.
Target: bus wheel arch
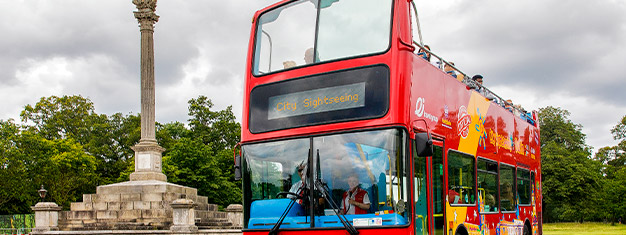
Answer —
(461, 230)
(527, 230)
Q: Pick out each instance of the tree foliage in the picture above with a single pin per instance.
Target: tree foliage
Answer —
(63, 144)
(613, 160)
(13, 171)
(61, 165)
(202, 156)
(570, 178)
(73, 117)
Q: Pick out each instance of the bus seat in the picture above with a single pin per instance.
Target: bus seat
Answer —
(274, 208)
(373, 196)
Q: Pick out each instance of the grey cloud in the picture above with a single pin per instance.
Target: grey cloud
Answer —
(548, 45)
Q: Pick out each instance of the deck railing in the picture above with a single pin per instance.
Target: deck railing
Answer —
(467, 80)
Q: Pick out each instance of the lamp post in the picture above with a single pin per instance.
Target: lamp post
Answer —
(42, 193)
(46, 213)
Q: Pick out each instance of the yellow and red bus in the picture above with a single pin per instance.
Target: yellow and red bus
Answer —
(351, 126)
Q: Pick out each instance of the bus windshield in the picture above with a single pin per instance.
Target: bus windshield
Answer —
(297, 34)
(363, 173)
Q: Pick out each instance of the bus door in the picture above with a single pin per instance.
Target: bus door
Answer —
(421, 189)
(429, 215)
(438, 202)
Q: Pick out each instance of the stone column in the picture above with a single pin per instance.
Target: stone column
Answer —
(147, 151)
(46, 216)
(184, 216)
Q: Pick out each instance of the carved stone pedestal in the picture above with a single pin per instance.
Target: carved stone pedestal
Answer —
(184, 220)
(46, 216)
(148, 162)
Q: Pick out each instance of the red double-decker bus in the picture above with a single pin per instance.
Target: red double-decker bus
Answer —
(351, 126)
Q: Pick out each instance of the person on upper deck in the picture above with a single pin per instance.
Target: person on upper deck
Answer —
(480, 89)
(449, 70)
(508, 105)
(424, 54)
(309, 55)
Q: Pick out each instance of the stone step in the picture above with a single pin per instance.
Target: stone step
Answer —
(145, 197)
(202, 200)
(131, 187)
(119, 214)
(131, 205)
(118, 226)
(212, 207)
(216, 223)
(211, 214)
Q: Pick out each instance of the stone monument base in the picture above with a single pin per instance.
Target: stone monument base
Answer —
(136, 205)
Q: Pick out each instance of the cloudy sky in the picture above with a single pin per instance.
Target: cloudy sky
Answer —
(570, 54)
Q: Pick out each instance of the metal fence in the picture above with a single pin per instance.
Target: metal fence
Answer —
(17, 224)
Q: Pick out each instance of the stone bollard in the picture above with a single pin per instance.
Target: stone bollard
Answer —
(184, 220)
(46, 216)
(235, 214)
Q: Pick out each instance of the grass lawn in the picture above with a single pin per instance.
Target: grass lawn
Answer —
(585, 228)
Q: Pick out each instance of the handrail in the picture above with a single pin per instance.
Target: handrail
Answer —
(472, 84)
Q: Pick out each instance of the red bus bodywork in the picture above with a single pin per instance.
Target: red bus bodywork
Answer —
(424, 99)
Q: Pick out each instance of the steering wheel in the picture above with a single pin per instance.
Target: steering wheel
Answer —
(284, 194)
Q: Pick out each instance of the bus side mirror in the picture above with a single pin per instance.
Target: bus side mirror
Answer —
(237, 167)
(423, 144)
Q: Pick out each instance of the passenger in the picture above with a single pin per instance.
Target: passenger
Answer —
(478, 79)
(453, 197)
(355, 200)
(424, 54)
(459, 76)
(309, 55)
(490, 203)
(518, 110)
(296, 187)
(508, 105)
(508, 199)
(289, 64)
(449, 70)
(480, 89)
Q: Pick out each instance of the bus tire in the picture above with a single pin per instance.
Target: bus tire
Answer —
(461, 231)
(527, 229)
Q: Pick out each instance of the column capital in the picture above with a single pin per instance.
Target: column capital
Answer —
(145, 4)
(145, 14)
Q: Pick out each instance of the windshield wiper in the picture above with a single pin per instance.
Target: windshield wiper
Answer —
(323, 187)
(274, 230)
(304, 187)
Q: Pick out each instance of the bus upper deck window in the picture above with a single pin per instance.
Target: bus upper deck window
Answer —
(286, 36)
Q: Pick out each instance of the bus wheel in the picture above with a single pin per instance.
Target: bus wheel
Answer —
(526, 230)
(460, 231)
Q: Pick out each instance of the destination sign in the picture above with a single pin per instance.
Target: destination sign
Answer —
(316, 101)
(338, 96)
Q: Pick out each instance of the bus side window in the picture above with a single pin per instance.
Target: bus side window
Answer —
(461, 178)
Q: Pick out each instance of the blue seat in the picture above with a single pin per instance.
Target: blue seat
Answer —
(264, 213)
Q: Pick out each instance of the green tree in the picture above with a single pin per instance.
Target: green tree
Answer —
(571, 179)
(73, 117)
(15, 183)
(613, 160)
(619, 131)
(61, 165)
(217, 128)
(194, 164)
(202, 156)
(59, 117)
